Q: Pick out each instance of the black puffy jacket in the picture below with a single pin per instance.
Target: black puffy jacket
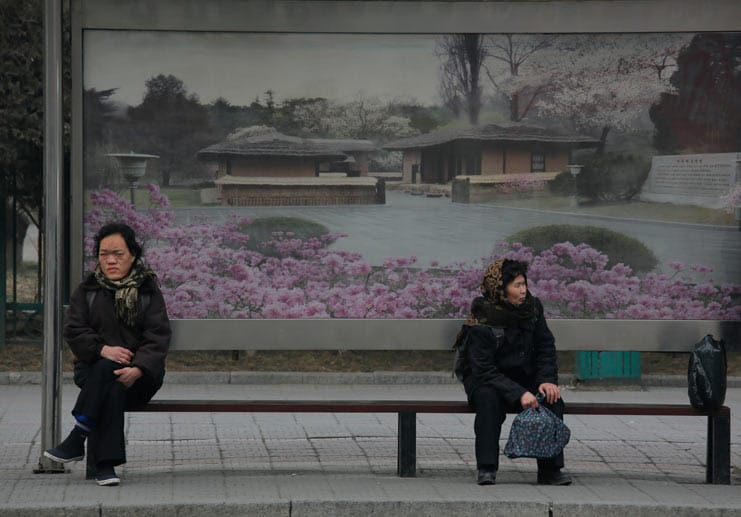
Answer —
(521, 361)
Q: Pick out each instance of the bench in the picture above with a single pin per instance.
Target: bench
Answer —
(669, 336)
(717, 470)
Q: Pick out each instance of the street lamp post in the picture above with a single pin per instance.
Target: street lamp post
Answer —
(133, 166)
(575, 170)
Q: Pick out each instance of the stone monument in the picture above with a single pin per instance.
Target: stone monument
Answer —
(692, 179)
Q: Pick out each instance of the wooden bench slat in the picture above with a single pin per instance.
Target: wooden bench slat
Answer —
(580, 408)
(414, 406)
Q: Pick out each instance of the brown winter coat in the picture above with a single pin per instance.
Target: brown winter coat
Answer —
(87, 329)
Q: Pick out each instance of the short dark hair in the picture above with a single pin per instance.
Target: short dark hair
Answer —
(511, 269)
(128, 234)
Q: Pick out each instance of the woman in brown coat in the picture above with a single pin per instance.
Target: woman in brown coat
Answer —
(119, 333)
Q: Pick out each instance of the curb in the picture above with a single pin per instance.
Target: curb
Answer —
(367, 378)
(351, 508)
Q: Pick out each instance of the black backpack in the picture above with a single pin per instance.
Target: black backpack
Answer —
(460, 347)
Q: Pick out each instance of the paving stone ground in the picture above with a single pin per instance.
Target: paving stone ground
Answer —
(345, 464)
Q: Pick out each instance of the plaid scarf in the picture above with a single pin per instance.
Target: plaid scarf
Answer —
(126, 290)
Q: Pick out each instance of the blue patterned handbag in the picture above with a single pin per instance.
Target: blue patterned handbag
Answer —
(537, 433)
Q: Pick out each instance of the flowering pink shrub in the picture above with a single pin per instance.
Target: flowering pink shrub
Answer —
(109, 206)
(207, 271)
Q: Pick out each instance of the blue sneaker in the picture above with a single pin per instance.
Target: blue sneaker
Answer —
(71, 449)
(106, 476)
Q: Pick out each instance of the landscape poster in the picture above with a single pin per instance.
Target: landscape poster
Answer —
(307, 175)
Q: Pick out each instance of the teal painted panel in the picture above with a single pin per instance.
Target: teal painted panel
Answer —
(586, 365)
(608, 365)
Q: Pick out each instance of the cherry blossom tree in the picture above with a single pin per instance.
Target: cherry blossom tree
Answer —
(610, 81)
(363, 117)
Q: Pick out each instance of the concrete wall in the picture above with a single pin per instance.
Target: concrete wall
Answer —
(361, 163)
(304, 195)
(519, 160)
(480, 189)
(556, 161)
(270, 167)
(411, 157)
(491, 161)
(359, 168)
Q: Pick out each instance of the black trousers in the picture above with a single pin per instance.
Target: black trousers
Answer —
(491, 410)
(101, 404)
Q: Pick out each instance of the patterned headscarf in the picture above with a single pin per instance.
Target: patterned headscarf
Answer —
(126, 290)
(493, 308)
(492, 285)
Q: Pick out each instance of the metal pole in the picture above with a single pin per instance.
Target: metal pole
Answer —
(52, 367)
(14, 250)
(3, 265)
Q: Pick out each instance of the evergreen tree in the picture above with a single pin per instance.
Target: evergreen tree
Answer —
(172, 124)
(704, 113)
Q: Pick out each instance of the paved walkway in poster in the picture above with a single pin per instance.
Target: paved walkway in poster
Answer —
(437, 229)
(344, 464)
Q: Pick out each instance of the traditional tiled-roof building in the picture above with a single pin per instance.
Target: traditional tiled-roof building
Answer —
(260, 166)
(490, 150)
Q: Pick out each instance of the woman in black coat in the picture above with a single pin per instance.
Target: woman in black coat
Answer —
(505, 372)
(119, 332)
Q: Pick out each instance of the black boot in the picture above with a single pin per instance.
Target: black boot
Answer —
(71, 449)
(486, 476)
(553, 477)
(106, 475)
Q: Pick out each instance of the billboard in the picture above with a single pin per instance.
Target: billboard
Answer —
(369, 165)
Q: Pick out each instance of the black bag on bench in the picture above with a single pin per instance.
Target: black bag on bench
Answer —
(706, 374)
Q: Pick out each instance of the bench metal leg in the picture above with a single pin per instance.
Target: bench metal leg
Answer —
(718, 469)
(407, 458)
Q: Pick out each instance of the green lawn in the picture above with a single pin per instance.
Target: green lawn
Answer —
(188, 197)
(179, 197)
(629, 209)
